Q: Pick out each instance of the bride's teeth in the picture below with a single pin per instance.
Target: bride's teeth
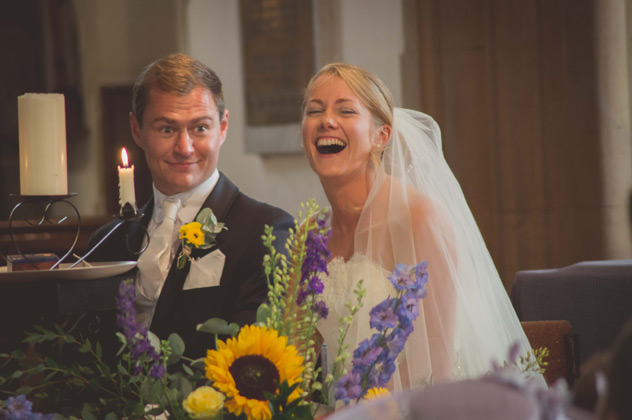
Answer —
(329, 142)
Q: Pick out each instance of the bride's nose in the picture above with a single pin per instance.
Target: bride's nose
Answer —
(328, 120)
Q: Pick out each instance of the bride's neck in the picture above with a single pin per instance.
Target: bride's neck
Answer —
(346, 198)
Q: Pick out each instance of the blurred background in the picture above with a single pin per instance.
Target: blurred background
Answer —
(533, 98)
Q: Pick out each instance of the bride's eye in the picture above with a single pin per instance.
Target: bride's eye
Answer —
(312, 111)
(347, 111)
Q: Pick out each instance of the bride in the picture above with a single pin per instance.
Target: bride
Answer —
(394, 200)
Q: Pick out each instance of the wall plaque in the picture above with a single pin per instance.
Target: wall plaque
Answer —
(278, 51)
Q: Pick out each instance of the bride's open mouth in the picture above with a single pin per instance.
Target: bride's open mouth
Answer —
(329, 146)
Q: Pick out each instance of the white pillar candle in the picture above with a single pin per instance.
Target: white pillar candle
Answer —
(126, 182)
(42, 125)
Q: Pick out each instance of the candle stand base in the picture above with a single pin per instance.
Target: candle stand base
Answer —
(44, 205)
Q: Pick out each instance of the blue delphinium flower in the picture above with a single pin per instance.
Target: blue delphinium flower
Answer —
(401, 277)
(409, 306)
(397, 339)
(19, 407)
(348, 387)
(141, 349)
(367, 352)
(374, 360)
(383, 315)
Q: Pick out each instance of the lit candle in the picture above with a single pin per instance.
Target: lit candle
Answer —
(42, 127)
(126, 182)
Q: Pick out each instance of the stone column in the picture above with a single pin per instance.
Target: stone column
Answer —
(613, 87)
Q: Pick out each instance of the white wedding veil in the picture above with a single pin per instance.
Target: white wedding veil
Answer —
(416, 211)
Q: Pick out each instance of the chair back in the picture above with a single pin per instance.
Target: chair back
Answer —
(594, 296)
(557, 337)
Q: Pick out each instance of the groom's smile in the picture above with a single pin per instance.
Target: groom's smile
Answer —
(181, 136)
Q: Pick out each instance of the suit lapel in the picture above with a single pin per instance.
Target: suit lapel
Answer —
(220, 201)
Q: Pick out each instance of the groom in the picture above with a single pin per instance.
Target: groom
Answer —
(180, 122)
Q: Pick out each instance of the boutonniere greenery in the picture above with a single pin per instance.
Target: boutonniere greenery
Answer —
(199, 234)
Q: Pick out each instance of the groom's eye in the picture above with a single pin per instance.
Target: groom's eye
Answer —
(200, 129)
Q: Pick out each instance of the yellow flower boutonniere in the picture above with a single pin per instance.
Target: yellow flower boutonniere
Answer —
(199, 234)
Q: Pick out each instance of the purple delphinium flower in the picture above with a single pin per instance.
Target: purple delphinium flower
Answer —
(348, 387)
(157, 371)
(321, 309)
(141, 349)
(383, 316)
(315, 264)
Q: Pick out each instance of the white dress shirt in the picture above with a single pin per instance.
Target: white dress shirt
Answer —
(191, 203)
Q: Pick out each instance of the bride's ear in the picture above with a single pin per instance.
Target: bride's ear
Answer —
(383, 136)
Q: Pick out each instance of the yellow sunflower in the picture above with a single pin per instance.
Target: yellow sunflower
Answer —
(243, 368)
(192, 232)
(375, 392)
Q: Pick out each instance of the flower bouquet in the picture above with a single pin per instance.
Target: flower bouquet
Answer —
(268, 370)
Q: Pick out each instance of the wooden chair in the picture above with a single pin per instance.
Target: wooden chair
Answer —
(557, 337)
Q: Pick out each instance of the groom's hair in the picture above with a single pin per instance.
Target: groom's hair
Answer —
(176, 73)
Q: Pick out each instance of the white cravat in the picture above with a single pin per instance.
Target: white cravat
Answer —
(153, 264)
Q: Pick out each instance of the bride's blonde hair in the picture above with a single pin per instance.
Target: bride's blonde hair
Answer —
(372, 92)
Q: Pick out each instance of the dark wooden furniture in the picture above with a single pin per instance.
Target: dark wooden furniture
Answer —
(85, 307)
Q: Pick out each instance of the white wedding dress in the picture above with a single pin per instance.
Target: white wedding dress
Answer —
(416, 211)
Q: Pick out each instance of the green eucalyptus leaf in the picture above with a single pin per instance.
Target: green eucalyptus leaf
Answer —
(122, 371)
(111, 416)
(17, 354)
(263, 312)
(86, 346)
(176, 343)
(86, 413)
(206, 217)
(219, 326)
(49, 336)
(187, 370)
(198, 363)
(156, 411)
(17, 374)
(154, 341)
(24, 390)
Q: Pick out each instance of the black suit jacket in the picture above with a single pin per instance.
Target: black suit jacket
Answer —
(243, 286)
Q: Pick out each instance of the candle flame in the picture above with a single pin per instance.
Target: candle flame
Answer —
(124, 157)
